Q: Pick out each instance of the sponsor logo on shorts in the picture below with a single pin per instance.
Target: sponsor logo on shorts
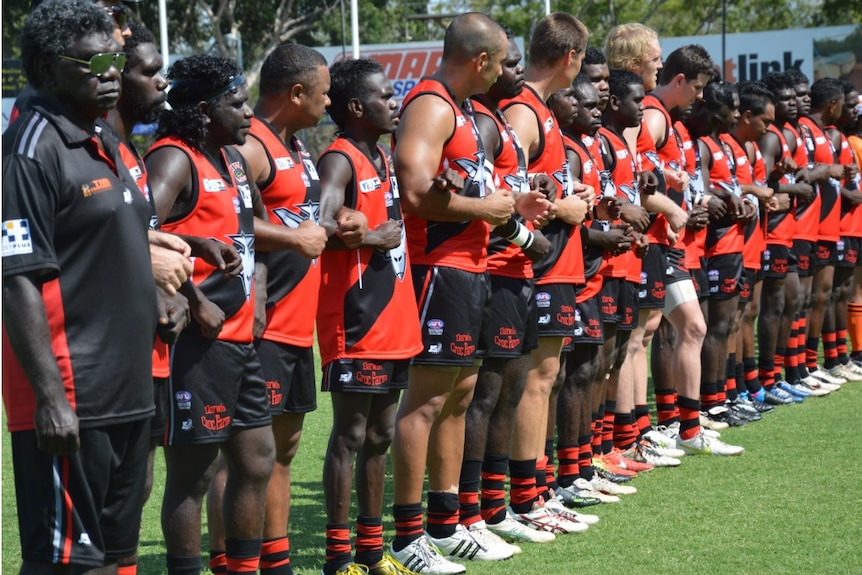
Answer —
(713, 275)
(658, 291)
(644, 278)
(766, 255)
(184, 400)
(609, 305)
(668, 271)
(435, 326)
(778, 266)
(345, 377)
(387, 197)
(543, 299)
(273, 388)
(729, 285)
(435, 348)
(16, 238)
(579, 331)
(823, 252)
(463, 345)
(803, 262)
(852, 256)
(187, 424)
(545, 319)
(593, 329)
(215, 417)
(372, 374)
(642, 294)
(506, 338)
(566, 315)
(84, 540)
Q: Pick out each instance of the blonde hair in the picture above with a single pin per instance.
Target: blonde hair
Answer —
(627, 46)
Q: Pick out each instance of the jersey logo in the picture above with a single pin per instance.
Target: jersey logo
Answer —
(307, 211)
(476, 172)
(283, 164)
(245, 195)
(397, 256)
(214, 185)
(311, 169)
(369, 185)
(630, 192)
(96, 186)
(549, 124)
(244, 244)
(654, 160)
(16, 238)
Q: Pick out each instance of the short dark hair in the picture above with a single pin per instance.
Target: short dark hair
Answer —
(691, 60)
(140, 35)
(289, 64)
(849, 87)
(621, 82)
(777, 82)
(824, 91)
(468, 35)
(796, 77)
(594, 57)
(718, 93)
(349, 81)
(53, 27)
(195, 79)
(581, 80)
(555, 35)
(754, 96)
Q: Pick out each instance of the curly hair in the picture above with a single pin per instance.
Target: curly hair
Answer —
(555, 35)
(140, 35)
(288, 65)
(55, 26)
(718, 93)
(753, 96)
(824, 90)
(349, 81)
(796, 77)
(199, 78)
(594, 57)
(627, 45)
(777, 82)
(621, 82)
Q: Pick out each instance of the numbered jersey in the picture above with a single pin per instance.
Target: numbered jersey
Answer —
(365, 292)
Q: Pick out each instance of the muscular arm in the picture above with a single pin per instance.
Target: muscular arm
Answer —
(425, 126)
(26, 324)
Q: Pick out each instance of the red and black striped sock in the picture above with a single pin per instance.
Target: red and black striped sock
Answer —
(689, 417)
(812, 345)
(337, 547)
(127, 569)
(184, 564)
(369, 540)
(522, 492)
(596, 430)
(830, 349)
(550, 468)
(607, 444)
(585, 457)
(275, 557)
(841, 346)
(665, 405)
(751, 379)
(801, 367)
(642, 419)
(408, 524)
(625, 432)
(568, 469)
(728, 385)
(493, 502)
(541, 475)
(218, 562)
(442, 514)
(766, 371)
(243, 555)
(468, 493)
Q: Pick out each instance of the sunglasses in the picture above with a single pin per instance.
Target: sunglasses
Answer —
(100, 63)
(118, 13)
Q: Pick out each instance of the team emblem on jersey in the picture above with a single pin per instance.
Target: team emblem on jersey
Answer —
(311, 169)
(630, 192)
(214, 185)
(308, 210)
(284, 164)
(477, 172)
(652, 156)
(397, 256)
(136, 172)
(549, 124)
(245, 195)
(514, 182)
(16, 238)
(127, 196)
(393, 182)
(370, 185)
(244, 244)
(460, 120)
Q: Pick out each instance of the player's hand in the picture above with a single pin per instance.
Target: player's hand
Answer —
(850, 171)
(803, 191)
(677, 179)
(56, 426)
(698, 217)
(735, 207)
(773, 204)
(717, 208)
(311, 239)
(169, 242)
(539, 248)
(641, 245)
(499, 207)
(545, 184)
(450, 180)
(677, 219)
(647, 182)
(174, 316)
(852, 197)
(836, 171)
(617, 240)
(584, 191)
(749, 211)
(170, 268)
(786, 165)
(634, 215)
(386, 236)
(608, 208)
(209, 316)
(535, 208)
(221, 256)
(352, 227)
(672, 236)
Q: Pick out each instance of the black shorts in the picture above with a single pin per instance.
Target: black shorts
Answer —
(454, 307)
(214, 386)
(628, 306)
(701, 283)
(801, 251)
(289, 374)
(676, 270)
(365, 375)
(746, 284)
(159, 420)
(723, 273)
(512, 329)
(609, 298)
(84, 509)
(825, 253)
(847, 251)
(555, 306)
(588, 322)
(775, 262)
(653, 288)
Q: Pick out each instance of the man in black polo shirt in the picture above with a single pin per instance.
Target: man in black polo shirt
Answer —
(79, 310)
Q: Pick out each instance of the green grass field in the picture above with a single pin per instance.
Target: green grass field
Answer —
(791, 504)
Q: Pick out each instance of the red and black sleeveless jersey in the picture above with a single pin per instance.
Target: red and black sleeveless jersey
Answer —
(221, 209)
(291, 196)
(820, 150)
(806, 214)
(74, 216)
(654, 159)
(693, 241)
(725, 235)
(510, 173)
(564, 262)
(851, 216)
(621, 163)
(595, 148)
(460, 245)
(594, 259)
(754, 242)
(365, 292)
(781, 225)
